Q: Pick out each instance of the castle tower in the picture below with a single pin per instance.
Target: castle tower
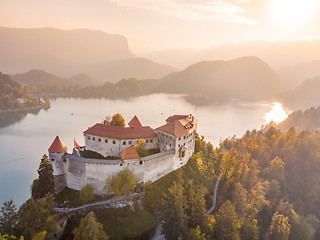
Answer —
(56, 152)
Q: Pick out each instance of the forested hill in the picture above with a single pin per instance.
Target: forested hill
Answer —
(308, 120)
(13, 96)
(270, 189)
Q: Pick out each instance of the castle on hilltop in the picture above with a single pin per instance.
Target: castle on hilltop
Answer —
(175, 143)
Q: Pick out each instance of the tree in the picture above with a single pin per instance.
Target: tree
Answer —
(117, 120)
(86, 194)
(124, 183)
(36, 216)
(141, 148)
(195, 234)
(227, 224)
(90, 228)
(45, 183)
(9, 237)
(8, 217)
(107, 120)
(280, 227)
(174, 216)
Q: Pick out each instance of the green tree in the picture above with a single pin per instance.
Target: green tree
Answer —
(280, 227)
(36, 216)
(8, 217)
(141, 148)
(174, 215)
(227, 223)
(45, 183)
(86, 194)
(90, 228)
(124, 183)
(117, 120)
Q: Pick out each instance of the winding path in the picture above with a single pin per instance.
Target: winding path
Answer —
(214, 195)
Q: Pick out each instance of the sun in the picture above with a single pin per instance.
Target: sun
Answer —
(277, 114)
(293, 12)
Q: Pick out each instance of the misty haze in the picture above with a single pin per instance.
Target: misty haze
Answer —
(155, 120)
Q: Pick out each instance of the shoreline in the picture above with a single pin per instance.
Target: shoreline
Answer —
(26, 109)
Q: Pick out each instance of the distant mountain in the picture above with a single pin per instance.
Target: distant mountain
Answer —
(125, 88)
(304, 96)
(277, 54)
(243, 78)
(296, 74)
(39, 81)
(105, 57)
(141, 68)
(172, 57)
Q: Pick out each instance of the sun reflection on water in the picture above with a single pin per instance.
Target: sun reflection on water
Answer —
(276, 114)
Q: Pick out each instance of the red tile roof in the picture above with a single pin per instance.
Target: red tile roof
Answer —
(179, 125)
(117, 132)
(175, 117)
(130, 153)
(134, 122)
(57, 146)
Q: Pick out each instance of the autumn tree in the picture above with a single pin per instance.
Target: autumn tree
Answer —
(86, 194)
(227, 222)
(117, 120)
(141, 148)
(280, 227)
(8, 217)
(124, 183)
(45, 183)
(90, 228)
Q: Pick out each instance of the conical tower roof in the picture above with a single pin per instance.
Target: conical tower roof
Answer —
(57, 146)
(135, 122)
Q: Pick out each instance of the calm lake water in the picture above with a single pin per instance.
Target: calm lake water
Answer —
(23, 143)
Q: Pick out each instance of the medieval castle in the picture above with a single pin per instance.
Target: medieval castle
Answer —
(175, 140)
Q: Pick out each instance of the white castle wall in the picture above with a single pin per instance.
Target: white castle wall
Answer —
(114, 147)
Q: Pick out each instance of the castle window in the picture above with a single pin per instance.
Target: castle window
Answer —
(183, 153)
(140, 162)
(179, 145)
(121, 164)
(106, 140)
(99, 139)
(52, 160)
(179, 138)
(130, 142)
(151, 140)
(89, 138)
(93, 138)
(124, 143)
(114, 142)
(184, 137)
(147, 141)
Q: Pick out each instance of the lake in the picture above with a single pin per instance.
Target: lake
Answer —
(23, 143)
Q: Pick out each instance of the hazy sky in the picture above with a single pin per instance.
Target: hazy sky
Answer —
(169, 24)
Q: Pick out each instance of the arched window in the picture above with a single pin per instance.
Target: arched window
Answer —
(114, 142)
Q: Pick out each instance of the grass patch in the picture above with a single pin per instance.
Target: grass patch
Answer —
(119, 223)
(91, 154)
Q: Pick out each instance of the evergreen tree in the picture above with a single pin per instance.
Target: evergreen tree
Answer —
(90, 228)
(45, 183)
(175, 218)
(8, 217)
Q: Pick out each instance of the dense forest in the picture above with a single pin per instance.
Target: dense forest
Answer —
(11, 91)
